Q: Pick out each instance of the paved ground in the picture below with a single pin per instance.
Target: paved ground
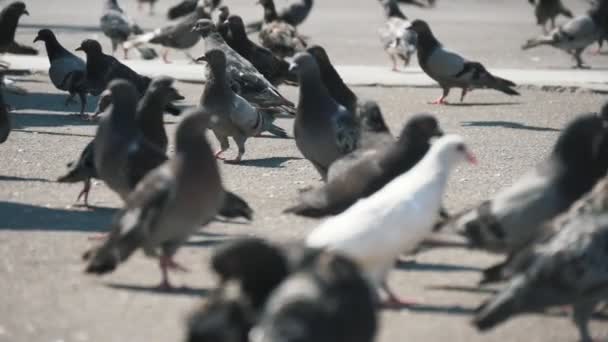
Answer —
(42, 234)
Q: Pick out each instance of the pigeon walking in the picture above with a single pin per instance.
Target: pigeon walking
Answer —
(236, 117)
(570, 268)
(167, 206)
(324, 130)
(548, 10)
(370, 172)
(294, 13)
(376, 230)
(277, 35)
(67, 71)
(451, 70)
(115, 24)
(399, 42)
(9, 19)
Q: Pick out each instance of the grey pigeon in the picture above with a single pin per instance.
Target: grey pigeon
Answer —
(236, 117)
(398, 42)
(277, 35)
(275, 69)
(174, 36)
(115, 24)
(5, 120)
(511, 220)
(371, 172)
(548, 10)
(568, 268)
(168, 205)
(577, 34)
(324, 129)
(332, 80)
(246, 80)
(451, 70)
(328, 300)
(67, 71)
(9, 19)
(293, 13)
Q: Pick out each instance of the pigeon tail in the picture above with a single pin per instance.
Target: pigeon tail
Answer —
(183, 8)
(504, 85)
(277, 131)
(534, 42)
(234, 207)
(105, 258)
(499, 309)
(146, 53)
(75, 174)
(304, 209)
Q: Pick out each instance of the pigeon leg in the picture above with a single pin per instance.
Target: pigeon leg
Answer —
(393, 301)
(579, 60)
(114, 46)
(125, 51)
(164, 54)
(240, 143)
(83, 102)
(463, 94)
(394, 60)
(85, 192)
(581, 314)
(224, 145)
(442, 100)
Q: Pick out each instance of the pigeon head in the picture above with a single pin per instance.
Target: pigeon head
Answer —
(204, 27)
(451, 150)
(421, 128)
(17, 9)
(237, 26)
(304, 63)
(424, 36)
(320, 55)
(370, 117)
(45, 35)
(224, 13)
(122, 91)
(216, 59)
(259, 266)
(392, 10)
(90, 47)
(163, 86)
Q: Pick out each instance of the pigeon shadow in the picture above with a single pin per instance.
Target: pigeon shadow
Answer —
(437, 309)
(60, 27)
(27, 119)
(18, 216)
(207, 242)
(177, 291)
(54, 133)
(270, 136)
(272, 162)
(433, 267)
(482, 104)
(52, 102)
(466, 289)
(508, 124)
(22, 179)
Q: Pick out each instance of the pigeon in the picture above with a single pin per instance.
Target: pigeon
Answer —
(277, 35)
(324, 130)
(237, 118)
(511, 220)
(548, 10)
(175, 36)
(274, 69)
(246, 80)
(5, 119)
(186, 7)
(451, 70)
(294, 13)
(167, 206)
(82, 170)
(9, 19)
(374, 136)
(395, 219)
(67, 71)
(569, 268)
(372, 172)
(115, 24)
(575, 35)
(222, 26)
(338, 90)
(140, 5)
(397, 40)
(329, 300)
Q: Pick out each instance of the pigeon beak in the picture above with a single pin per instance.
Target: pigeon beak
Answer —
(293, 67)
(79, 48)
(438, 133)
(26, 12)
(176, 95)
(471, 158)
(37, 39)
(202, 58)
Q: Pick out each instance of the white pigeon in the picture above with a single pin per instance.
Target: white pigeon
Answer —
(395, 219)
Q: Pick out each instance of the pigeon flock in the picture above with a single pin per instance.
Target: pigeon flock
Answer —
(381, 194)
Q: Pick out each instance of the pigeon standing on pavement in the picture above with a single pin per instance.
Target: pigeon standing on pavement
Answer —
(275, 69)
(236, 117)
(577, 34)
(371, 171)
(277, 35)
(324, 130)
(338, 90)
(9, 19)
(115, 25)
(548, 10)
(398, 41)
(569, 268)
(512, 219)
(168, 205)
(451, 70)
(67, 71)
(245, 79)
(376, 230)
(294, 13)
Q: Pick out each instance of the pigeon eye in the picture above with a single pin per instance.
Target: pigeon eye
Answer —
(460, 147)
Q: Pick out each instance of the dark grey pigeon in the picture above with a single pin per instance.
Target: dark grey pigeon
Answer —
(451, 70)
(67, 71)
(168, 205)
(511, 220)
(9, 19)
(5, 119)
(372, 172)
(324, 129)
(332, 80)
(547, 10)
(328, 300)
(293, 13)
(115, 24)
(236, 117)
(275, 69)
(246, 80)
(569, 268)
(186, 7)
(399, 42)
(277, 35)
(577, 34)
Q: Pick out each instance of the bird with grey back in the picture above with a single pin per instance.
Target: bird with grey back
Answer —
(324, 130)
(398, 42)
(451, 70)
(236, 117)
(9, 19)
